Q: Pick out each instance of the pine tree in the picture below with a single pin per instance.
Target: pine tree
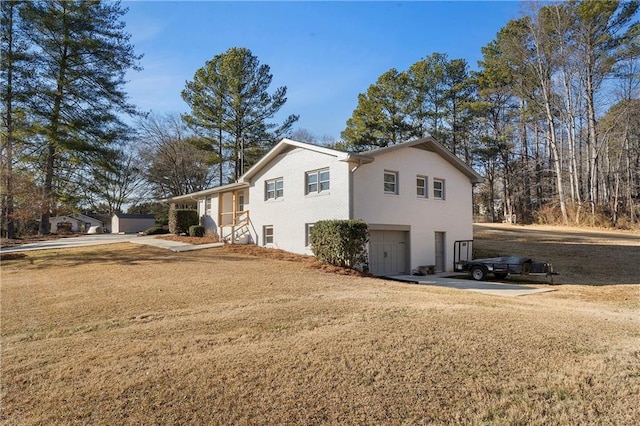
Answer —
(14, 59)
(231, 105)
(82, 53)
(383, 116)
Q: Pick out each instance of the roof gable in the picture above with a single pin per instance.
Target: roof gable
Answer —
(286, 145)
(430, 144)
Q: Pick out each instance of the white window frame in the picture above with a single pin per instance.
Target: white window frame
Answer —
(424, 187)
(321, 181)
(307, 239)
(395, 175)
(208, 205)
(277, 190)
(439, 193)
(266, 235)
(241, 202)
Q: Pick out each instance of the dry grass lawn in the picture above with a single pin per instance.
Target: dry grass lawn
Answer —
(129, 334)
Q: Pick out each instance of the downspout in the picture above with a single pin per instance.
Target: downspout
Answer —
(220, 201)
(351, 191)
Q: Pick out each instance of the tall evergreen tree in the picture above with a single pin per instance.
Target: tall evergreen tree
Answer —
(82, 54)
(459, 96)
(230, 103)
(14, 59)
(433, 97)
(427, 81)
(383, 116)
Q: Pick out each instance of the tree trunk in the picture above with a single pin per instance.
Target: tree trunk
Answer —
(9, 206)
(524, 166)
(220, 156)
(592, 140)
(54, 134)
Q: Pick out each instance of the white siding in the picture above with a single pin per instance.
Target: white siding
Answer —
(130, 225)
(424, 216)
(295, 209)
(208, 213)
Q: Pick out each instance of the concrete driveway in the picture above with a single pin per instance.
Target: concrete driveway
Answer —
(460, 282)
(81, 241)
(98, 239)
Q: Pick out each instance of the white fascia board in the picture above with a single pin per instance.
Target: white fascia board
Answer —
(285, 144)
(436, 147)
(194, 196)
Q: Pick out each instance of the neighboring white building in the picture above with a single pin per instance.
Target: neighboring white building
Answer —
(131, 223)
(416, 198)
(79, 222)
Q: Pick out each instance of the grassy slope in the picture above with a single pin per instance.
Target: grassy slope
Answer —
(129, 334)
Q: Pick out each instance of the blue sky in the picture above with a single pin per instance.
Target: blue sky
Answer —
(326, 53)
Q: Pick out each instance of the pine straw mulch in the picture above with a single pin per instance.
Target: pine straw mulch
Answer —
(276, 254)
(268, 253)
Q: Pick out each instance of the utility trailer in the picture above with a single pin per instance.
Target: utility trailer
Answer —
(500, 267)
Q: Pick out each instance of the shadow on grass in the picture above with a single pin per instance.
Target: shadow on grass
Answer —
(576, 263)
(117, 254)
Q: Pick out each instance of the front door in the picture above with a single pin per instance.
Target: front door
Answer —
(440, 251)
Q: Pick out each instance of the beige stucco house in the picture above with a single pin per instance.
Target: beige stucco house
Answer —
(415, 196)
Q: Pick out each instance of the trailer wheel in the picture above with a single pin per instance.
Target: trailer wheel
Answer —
(478, 273)
(501, 275)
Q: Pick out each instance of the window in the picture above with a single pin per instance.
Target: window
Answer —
(208, 205)
(241, 202)
(268, 234)
(438, 189)
(318, 181)
(309, 228)
(422, 187)
(274, 188)
(390, 182)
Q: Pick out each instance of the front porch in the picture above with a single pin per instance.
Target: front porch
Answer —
(234, 221)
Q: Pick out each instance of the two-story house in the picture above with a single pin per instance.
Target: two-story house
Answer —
(416, 198)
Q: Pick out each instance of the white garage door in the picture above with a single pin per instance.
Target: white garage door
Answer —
(388, 252)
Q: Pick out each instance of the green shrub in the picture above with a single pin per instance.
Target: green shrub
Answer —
(181, 219)
(196, 231)
(156, 230)
(340, 242)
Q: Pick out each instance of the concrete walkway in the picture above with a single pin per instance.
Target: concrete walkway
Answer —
(452, 280)
(175, 246)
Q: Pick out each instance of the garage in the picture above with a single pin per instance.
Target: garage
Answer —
(388, 252)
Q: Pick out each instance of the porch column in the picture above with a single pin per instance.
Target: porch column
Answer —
(234, 201)
(220, 200)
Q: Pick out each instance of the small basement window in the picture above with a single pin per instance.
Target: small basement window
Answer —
(268, 234)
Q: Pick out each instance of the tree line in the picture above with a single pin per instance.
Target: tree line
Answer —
(551, 118)
(72, 142)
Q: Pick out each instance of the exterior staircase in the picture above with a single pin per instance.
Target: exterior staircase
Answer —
(239, 230)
